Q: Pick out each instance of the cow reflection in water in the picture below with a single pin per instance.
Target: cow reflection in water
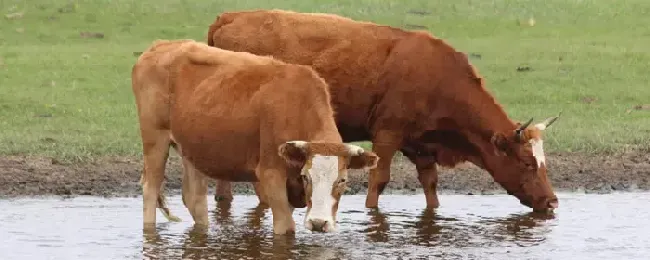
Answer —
(249, 236)
(433, 229)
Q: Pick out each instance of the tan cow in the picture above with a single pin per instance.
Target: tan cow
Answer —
(239, 117)
(404, 91)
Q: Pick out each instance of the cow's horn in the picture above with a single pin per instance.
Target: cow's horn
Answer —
(522, 127)
(550, 120)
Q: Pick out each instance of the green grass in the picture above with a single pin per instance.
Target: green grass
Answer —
(67, 96)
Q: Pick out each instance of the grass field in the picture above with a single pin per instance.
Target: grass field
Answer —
(69, 96)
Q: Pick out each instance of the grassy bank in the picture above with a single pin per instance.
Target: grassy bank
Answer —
(65, 66)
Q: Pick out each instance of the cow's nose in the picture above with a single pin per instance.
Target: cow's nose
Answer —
(318, 225)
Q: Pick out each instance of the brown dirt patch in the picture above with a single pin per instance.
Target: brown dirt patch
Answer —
(30, 176)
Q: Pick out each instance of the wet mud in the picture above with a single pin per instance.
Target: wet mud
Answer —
(119, 176)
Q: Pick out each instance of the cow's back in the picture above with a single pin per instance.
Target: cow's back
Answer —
(348, 54)
(234, 113)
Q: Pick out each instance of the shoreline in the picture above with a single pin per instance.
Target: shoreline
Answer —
(22, 176)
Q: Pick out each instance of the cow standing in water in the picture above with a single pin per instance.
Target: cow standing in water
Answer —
(236, 116)
(404, 91)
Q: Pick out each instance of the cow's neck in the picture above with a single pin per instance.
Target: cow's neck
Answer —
(479, 117)
(476, 111)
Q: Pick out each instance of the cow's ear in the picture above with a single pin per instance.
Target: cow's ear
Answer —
(366, 160)
(294, 152)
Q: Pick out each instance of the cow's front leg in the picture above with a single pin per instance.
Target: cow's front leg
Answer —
(385, 146)
(274, 185)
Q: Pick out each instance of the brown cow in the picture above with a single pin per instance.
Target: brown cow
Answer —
(239, 117)
(402, 90)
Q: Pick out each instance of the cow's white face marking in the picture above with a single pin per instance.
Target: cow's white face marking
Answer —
(538, 151)
(323, 173)
(538, 147)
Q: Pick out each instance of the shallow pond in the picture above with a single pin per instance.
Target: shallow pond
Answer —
(586, 226)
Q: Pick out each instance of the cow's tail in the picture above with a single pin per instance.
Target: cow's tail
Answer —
(162, 203)
(221, 20)
(164, 209)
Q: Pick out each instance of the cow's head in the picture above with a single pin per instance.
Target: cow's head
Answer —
(521, 165)
(324, 174)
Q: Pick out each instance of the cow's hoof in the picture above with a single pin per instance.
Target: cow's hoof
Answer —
(220, 198)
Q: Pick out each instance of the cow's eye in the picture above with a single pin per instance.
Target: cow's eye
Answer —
(529, 165)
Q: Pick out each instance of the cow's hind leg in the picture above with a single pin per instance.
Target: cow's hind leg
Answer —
(223, 191)
(428, 177)
(261, 196)
(156, 151)
(195, 193)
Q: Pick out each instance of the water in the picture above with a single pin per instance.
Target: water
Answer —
(609, 226)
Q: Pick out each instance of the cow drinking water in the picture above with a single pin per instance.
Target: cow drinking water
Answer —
(236, 116)
(404, 91)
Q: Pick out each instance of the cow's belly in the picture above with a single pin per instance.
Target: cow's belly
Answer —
(351, 123)
(221, 149)
(353, 133)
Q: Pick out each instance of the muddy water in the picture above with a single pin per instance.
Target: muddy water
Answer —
(610, 226)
